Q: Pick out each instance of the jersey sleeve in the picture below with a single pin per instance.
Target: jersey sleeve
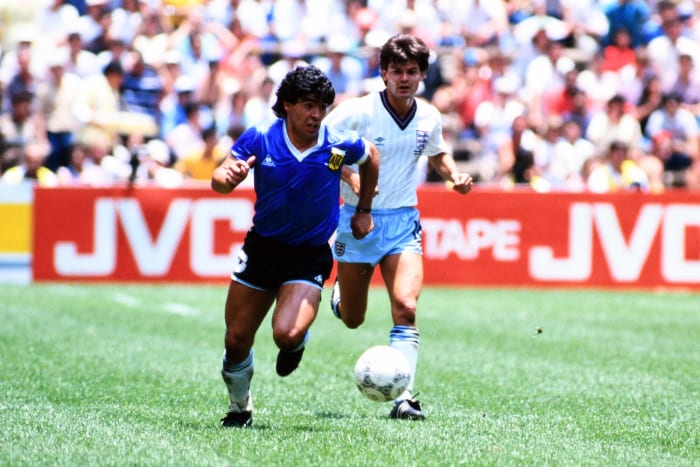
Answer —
(348, 115)
(248, 144)
(365, 153)
(436, 141)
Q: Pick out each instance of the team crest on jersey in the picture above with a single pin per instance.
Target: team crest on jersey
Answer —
(339, 248)
(335, 161)
(422, 138)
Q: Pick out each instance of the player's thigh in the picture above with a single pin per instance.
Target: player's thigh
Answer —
(354, 280)
(403, 276)
(246, 307)
(295, 311)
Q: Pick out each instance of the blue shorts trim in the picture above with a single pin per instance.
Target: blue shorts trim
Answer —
(395, 231)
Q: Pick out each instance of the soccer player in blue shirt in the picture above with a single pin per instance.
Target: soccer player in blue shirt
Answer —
(286, 256)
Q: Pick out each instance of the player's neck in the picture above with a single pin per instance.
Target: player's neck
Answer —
(301, 142)
(401, 105)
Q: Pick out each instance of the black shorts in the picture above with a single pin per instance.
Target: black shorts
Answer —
(266, 264)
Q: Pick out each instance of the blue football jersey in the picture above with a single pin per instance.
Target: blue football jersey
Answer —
(297, 193)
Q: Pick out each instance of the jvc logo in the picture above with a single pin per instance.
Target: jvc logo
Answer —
(154, 256)
(624, 257)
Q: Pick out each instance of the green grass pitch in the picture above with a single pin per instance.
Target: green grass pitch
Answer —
(129, 375)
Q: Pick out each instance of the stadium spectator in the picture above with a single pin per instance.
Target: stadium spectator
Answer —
(676, 138)
(200, 163)
(598, 84)
(614, 123)
(632, 15)
(257, 109)
(664, 51)
(493, 119)
(554, 161)
(617, 172)
(619, 53)
(31, 167)
(242, 57)
(186, 137)
(172, 106)
(545, 72)
(519, 160)
(93, 26)
(72, 173)
(480, 22)
(115, 50)
(342, 68)
(55, 21)
(392, 113)
(151, 165)
(25, 77)
(142, 88)
(19, 127)
(152, 39)
(127, 19)
(687, 84)
(55, 100)
(230, 44)
(292, 54)
(97, 106)
(81, 62)
(229, 110)
(580, 111)
(285, 256)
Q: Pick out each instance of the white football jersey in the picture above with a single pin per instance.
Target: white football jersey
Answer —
(400, 144)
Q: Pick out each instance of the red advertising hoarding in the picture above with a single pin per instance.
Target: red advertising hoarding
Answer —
(490, 238)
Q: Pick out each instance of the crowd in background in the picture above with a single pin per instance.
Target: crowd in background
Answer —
(549, 95)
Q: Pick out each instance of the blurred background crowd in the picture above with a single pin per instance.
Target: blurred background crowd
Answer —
(547, 95)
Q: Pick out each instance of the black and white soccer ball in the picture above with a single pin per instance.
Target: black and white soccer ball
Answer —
(382, 373)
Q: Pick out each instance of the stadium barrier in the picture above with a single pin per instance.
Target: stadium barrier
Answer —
(488, 238)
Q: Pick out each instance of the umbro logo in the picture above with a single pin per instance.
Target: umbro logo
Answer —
(379, 140)
(268, 162)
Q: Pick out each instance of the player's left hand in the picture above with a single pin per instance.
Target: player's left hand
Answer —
(361, 224)
(462, 183)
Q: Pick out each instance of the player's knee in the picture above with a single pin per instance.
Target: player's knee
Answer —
(353, 322)
(287, 339)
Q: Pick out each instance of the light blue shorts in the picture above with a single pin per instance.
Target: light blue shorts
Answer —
(395, 231)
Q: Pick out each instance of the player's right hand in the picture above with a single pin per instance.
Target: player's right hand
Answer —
(238, 170)
(361, 224)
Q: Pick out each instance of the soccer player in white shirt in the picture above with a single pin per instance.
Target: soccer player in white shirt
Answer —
(403, 128)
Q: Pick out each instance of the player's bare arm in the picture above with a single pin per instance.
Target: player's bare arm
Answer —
(352, 178)
(230, 174)
(444, 164)
(362, 222)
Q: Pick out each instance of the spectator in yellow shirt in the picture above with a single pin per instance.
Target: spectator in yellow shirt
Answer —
(200, 164)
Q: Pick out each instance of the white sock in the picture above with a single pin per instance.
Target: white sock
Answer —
(237, 378)
(406, 340)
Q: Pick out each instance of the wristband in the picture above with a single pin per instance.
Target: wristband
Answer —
(365, 210)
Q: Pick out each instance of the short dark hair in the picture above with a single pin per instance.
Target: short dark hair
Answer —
(303, 82)
(113, 66)
(403, 48)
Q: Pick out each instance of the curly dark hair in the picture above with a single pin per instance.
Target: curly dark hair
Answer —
(403, 48)
(304, 82)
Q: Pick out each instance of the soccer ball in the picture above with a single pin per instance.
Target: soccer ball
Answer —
(382, 373)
